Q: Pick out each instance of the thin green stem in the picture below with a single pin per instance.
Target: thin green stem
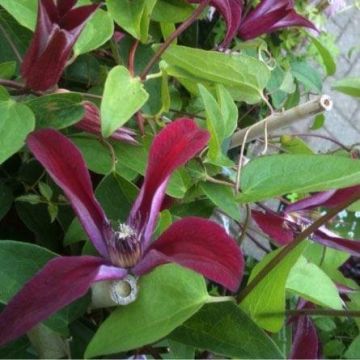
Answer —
(299, 239)
(187, 23)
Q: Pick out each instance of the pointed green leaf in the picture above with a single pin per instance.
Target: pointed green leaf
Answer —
(123, 97)
(348, 86)
(276, 175)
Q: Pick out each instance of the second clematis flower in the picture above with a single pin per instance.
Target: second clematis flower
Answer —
(128, 248)
(58, 27)
(269, 16)
(283, 227)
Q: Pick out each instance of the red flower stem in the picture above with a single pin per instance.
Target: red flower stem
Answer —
(132, 58)
(187, 23)
(298, 240)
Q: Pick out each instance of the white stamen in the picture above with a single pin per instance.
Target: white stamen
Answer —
(124, 292)
(125, 231)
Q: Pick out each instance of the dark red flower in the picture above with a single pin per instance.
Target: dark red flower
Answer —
(269, 16)
(91, 123)
(57, 29)
(196, 243)
(283, 227)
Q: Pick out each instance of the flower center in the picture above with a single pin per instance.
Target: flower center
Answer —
(125, 247)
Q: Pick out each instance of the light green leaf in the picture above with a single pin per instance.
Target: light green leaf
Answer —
(243, 75)
(295, 145)
(24, 11)
(326, 57)
(132, 16)
(353, 350)
(349, 86)
(16, 122)
(123, 97)
(224, 329)
(168, 296)
(223, 197)
(7, 69)
(270, 176)
(171, 11)
(311, 283)
(97, 31)
(269, 295)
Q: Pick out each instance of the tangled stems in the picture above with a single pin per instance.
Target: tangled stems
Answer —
(298, 240)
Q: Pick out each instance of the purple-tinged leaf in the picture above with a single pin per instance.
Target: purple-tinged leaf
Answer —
(60, 282)
(200, 245)
(176, 144)
(65, 164)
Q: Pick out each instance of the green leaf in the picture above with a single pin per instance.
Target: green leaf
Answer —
(326, 56)
(97, 31)
(223, 197)
(171, 11)
(224, 329)
(30, 198)
(24, 11)
(319, 122)
(349, 86)
(295, 145)
(244, 76)
(266, 303)
(311, 283)
(45, 190)
(132, 16)
(57, 110)
(16, 122)
(123, 97)
(270, 176)
(116, 196)
(168, 296)
(19, 262)
(307, 75)
(97, 155)
(353, 350)
(7, 69)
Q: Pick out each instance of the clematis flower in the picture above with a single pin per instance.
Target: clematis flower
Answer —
(58, 27)
(269, 16)
(91, 123)
(283, 227)
(198, 244)
(231, 11)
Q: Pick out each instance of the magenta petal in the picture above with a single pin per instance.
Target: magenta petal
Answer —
(65, 5)
(327, 199)
(231, 11)
(274, 226)
(293, 19)
(177, 143)
(328, 238)
(305, 339)
(65, 164)
(200, 245)
(60, 282)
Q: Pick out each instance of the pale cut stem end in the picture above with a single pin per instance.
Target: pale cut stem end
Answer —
(277, 121)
